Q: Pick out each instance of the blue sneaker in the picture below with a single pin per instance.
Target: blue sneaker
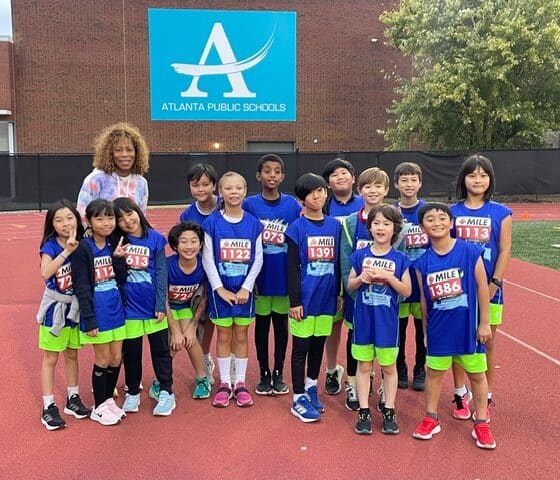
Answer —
(166, 404)
(201, 388)
(304, 410)
(313, 395)
(131, 402)
(154, 390)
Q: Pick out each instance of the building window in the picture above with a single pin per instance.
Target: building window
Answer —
(265, 147)
(7, 143)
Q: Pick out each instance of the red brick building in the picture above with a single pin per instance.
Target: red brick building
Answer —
(79, 66)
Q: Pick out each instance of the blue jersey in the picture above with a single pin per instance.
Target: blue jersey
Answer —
(107, 303)
(340, 210)
(376, 306)
(142, 282)
(318, 247)
(181, 285)
(193, 214)
(450, 290)
(275, 217)
(60, 282)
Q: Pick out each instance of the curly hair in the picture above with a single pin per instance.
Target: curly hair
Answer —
(109, 137)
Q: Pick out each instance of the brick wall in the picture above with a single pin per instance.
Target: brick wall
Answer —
(6, 74)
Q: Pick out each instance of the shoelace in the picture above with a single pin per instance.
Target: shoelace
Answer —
(458, 399)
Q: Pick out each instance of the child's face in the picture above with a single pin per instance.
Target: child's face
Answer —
(477, 182)
(129, 222)
(315, 200)
(437, 224)
(124, 156)
(202, 189)
(341, 181)
(271, 175)
(381, 230)
(103, 224)
(233, 191)
(373, 193)
(64, 222)
(408, 185)
(188, 245)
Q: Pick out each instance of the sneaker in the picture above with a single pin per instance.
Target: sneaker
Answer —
(488, 415)
(103, 415)
(381, 401)
(51, 418)
(201, 388)
(209, 367)
(265, 385)
(352, 402)
(304, 410)
(222, 396)
(363, 423)
(371, 380)
(74, 406)
(483, 436)
(461, 410)
(242, 396)
(131, 402)
(166, 404)
(154, 390)
(419, 378)
(333, 382)
(427, 429)
(118, 411)
(389, 424)
(279, 386)
(313, 395)
(402, 372)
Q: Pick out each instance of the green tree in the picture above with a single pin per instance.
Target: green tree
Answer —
(485, 73)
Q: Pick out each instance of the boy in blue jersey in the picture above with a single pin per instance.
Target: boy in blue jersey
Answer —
(276, 211)
(454, 299)
(339, 175)
(408, 181)
(313, 288)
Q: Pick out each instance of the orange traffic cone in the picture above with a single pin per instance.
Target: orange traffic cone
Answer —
(526, 215)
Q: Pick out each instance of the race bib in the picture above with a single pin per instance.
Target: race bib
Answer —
(103, 267)
(235, 250)
(444, 284)
(137, 257)
(473, 229)
(63, 278)
(415, 238)
(320, 249)
(181, 293)
(273, 232)
(363, 243)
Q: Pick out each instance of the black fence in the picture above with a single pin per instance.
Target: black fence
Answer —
(32, 182)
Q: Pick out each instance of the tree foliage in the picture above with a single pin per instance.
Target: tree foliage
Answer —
(485, 73)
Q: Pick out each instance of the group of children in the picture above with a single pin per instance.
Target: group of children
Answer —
(307, 267)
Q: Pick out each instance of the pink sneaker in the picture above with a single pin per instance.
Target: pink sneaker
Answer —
(118, 411)
(242, 396)
(221, 399)
(104, 415)
(461, 409)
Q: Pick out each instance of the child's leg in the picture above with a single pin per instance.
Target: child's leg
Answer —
(71, 370)
(390, 384)
(459, 376)
(420, 347)
(315, 356)
(362, 382)
(300, 348)
(401, 358)
(479, 387)
(207, 336)
(434, 380)
(332, 343)
(161, 359)
(99, 374)
(114, 367)
(280, 324)
(196, 354)
(491, 360)
(223, 352)
(351, 362)
(132, 359)
(48, 368)
(262, 329)
(241, 351)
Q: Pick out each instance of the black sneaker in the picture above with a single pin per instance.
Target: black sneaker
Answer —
(402, 372)
(265, 385)
(74, 406)
(389, 425)
(333, 382)
(51, 418)
(279, 386)
(419, 379)
(352, 402)
(363, 424)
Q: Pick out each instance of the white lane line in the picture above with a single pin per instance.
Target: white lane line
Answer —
(533, 291)
(530, 347)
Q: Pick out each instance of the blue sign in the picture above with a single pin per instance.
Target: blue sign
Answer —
(222, 65)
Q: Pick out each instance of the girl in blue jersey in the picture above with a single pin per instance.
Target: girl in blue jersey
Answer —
(380, 274)
(145, 309)
(187, 297)
(276, 211)
(98, 273)
(232, 258)
(486, 223)
(313, 288)
(58, 314)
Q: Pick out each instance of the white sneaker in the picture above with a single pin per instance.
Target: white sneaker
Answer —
(118, 411)
(104, 415)
(131, 402)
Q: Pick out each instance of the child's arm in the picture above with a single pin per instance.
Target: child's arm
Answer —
(249, 283)
(161, 285)
(484, 333)
(402, 287)
(212, 272)
(355, 281)
(504, 254)
(294, 281)
(49, 265)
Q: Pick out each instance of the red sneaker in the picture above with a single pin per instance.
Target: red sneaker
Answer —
(461, 409)
(483, 436)
(427, 429)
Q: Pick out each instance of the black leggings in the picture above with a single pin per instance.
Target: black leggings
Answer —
(420, 347)
(161, 361)
(351, 362)
(262, 329)
(310, 349)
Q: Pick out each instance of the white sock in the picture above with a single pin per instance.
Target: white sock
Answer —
(72, 391)
(47, 400)
(309, 382)
(224, 364)
(489, 395)
(461, 391)
(240, 368)
(207, 357)
(297, 396)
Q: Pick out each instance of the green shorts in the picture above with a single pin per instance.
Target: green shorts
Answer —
(266, 305)
(69, 338)
(229, 321)
(312, 326)
(115, 335)
(338, 316)
(139, 328)
(407, 309)
(367, 353)
(472, 363)
(496, 314)
(182, 314)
